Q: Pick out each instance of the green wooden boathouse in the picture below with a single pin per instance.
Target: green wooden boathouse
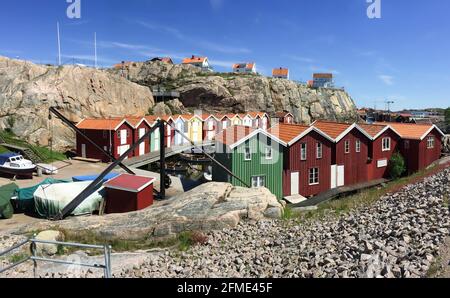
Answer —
(253, 155)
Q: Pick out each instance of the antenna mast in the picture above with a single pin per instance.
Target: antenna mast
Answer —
(59, 44)
(95, 46)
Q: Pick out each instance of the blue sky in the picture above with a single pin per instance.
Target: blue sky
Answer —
(403, 57)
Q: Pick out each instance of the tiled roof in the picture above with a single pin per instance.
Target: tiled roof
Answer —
(280, 72)
(288, 132)
(234, 134)
(282, 114)
(194, 59)
(100, 124)
(373, 129)
(410, 131)
(323, 76)
(254, 115)
(333, 129)
(248, 66)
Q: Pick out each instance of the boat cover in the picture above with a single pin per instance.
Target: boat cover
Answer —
(25, 196)
(50, 200)
(93, 177)
(6, 208)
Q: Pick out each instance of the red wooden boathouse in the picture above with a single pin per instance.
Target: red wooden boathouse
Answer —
(350, 152)
(113, 135)
(307, 159)
(385, 142)
(421, 144)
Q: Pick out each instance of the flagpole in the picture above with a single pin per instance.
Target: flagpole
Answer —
(95, 45)
(59, 44)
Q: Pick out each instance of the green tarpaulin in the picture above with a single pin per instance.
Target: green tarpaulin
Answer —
(6, 208)
(25, 196)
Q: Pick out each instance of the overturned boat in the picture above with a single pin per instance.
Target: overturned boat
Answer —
(14, 164)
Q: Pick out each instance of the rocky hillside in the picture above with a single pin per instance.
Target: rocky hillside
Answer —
(28, 90)
(227, 92)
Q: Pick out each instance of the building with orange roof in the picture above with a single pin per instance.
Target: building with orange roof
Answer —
(421, 145)
(113, 135)
(384, 143)
(323, 80)
(280, 73)
(253, 155)
(285, 117)
(307, 160)
(249, 67)
(201, 62)
(350, 152)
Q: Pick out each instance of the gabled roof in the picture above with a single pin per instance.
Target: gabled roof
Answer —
(323, 76)
(237, 134)
(413, 131)
(280, 72)
(205, 117)
(291, 133)
(248, 66)
(189, 117)
(129, 183)
(283, 114)
(375, 130)
(152, 119)
(102, 124)
(336, 130)
(194, 59)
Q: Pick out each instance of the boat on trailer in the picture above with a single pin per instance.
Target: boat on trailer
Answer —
(14, 164)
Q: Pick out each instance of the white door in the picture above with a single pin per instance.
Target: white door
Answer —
(295, 189)
(210, 133)
(340, 176)
(179, 138)
(265, 124)
(157, 142)
(195, 132)
(123, 149)
(333, 176)
(83, 151)
(142, 145)
(169, 136)
(123, 137)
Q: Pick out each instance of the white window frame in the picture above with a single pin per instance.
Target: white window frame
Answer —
(430, 143)
(258, 181)
(303, 151)
(319, 150)
(358, 146)
(314, 176)
(247, 151)
(386, 144)
(347, 147)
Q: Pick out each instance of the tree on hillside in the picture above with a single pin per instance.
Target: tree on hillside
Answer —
(397, 166)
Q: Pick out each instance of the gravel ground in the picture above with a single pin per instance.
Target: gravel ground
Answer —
(398, 236)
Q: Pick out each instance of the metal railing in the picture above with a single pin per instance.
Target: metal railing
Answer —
(106, 267)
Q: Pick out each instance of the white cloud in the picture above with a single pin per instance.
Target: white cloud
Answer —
(388, 80)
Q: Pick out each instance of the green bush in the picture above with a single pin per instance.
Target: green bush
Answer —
(397, 166)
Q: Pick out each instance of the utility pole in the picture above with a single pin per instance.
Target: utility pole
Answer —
(162, 159)
(59, 45)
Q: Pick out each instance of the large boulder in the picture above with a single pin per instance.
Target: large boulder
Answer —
(446, 144)
(27, 91)
(48, 249)
(212, 206)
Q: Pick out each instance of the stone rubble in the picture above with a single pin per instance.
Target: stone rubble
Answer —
(397, 237)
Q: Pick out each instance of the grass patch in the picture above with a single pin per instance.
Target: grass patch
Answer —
(18, 257)
(46, 154)
(182, 242)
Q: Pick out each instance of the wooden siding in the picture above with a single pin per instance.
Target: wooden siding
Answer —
(293, 164)
(136, 138)
(355, 163)
(376, 153)
(101, 138)
(258, 166)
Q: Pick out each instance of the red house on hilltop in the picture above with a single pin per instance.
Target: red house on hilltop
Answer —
(421, 144)
(385, 142)
(307, 159)
(113, 135)
(350, 152)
